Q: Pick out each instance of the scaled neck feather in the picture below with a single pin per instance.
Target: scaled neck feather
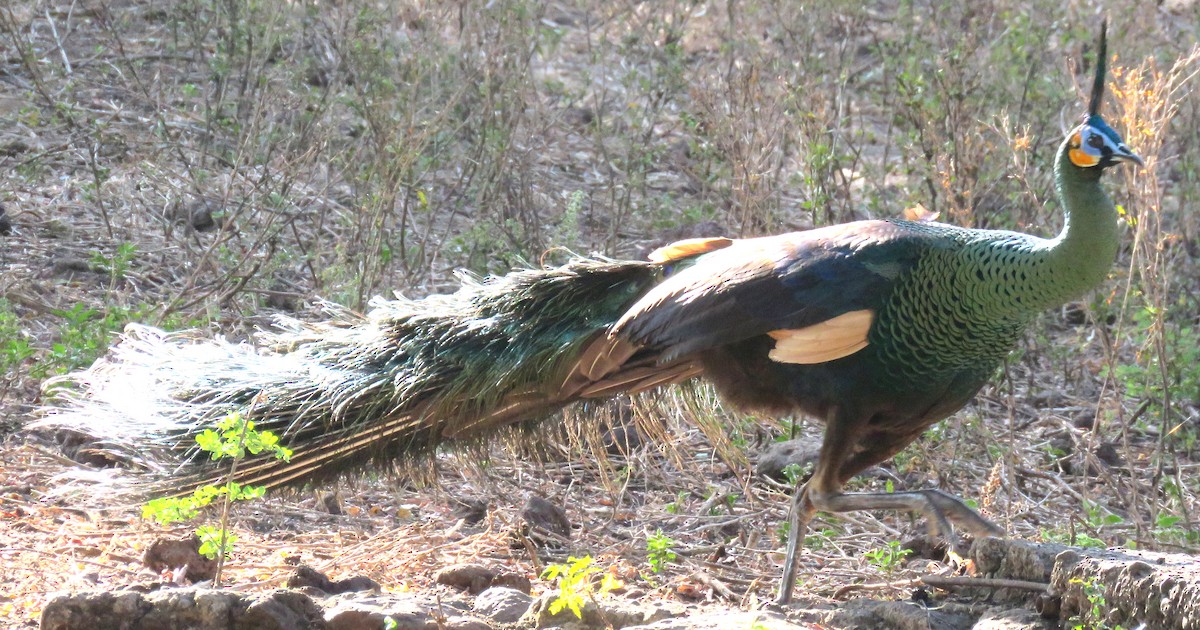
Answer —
(1084, 251)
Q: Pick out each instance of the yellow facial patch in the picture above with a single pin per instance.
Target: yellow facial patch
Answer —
(831, 339)
(1078, 156)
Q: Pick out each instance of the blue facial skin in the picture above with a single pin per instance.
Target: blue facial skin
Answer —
(1100, 141)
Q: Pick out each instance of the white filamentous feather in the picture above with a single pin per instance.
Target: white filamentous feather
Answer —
(130, 393)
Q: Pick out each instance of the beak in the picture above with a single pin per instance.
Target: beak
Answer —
(1124, 154)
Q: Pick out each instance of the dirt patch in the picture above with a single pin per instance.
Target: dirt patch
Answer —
(213, 164)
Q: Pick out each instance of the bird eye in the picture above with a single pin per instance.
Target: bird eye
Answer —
(1095, 141)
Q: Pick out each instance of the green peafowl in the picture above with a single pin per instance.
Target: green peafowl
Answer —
(879, 328)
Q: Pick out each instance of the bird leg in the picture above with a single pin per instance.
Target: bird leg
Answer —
(940, 508)
(839, 461)
(799, 514)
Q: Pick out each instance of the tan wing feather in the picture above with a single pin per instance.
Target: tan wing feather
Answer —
(688, 247)
(831, 339)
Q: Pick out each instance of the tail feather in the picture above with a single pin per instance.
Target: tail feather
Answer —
(356, 390)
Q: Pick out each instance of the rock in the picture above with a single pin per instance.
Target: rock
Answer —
(196, 609)
(1015, 559)
(502, 604)
(465, 623)
(622, 439)
(868, 614)
(471, 510)
(93, 610)
(514, 581)
(780, 455)
(475, 578)
(406, 612)
(540, 513)
(609, 612)
(283, 609)
(1135, 587)
(176, 554)
(760, 620)
(200, 215)
(304, 576)
(1012, 619)
(330, 502)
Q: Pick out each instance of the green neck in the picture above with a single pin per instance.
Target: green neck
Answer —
(1080, 257)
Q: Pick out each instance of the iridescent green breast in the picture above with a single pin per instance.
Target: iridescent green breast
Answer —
(961, 309)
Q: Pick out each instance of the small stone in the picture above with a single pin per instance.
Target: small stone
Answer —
(282, 610)
(305, 577)
(198, 609)
(465, 623)
(470, 510)
(503, 604)
(780, 455)
(1012, 619)
(170, 554)
(330, 502)
(539, 512)
(474, 578)
(355, 584)
(725, 620)
(622, 440)
(360, 619)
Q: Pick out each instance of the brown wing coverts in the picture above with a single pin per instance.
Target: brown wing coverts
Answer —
(755, 286)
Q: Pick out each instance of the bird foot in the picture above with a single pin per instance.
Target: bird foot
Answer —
(940, 508)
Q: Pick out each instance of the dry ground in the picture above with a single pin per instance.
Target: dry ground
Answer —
(210, 163)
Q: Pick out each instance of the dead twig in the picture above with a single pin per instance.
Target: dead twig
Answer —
(949, 581)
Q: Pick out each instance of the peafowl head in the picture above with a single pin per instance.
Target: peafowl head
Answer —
(1094, 144)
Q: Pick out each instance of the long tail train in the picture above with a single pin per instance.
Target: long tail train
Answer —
(359, 390)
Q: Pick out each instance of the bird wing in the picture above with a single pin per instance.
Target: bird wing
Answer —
(814, 292)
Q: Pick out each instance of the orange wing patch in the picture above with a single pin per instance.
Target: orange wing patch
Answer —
(920, 213)
(688, 247)
(831, 339)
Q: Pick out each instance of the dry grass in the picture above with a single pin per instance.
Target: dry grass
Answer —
(209, 163)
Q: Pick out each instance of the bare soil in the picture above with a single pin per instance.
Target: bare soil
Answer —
(210, 164)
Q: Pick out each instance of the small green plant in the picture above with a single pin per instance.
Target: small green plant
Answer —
(116, 265)
(14, 347)
(1167, 525)
(1097, 517)
(233, 437)
(82, 337)
(793, 472)
(819, 539)
(575, 584)
(888, 558)
(660, 550)
(730, 501)
(1094, 617)
(1078, 539)
(675, 506)
(791, 428)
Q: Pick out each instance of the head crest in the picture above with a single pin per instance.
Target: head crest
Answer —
(1101, 67)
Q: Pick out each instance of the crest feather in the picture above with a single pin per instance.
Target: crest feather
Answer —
(1101, 68)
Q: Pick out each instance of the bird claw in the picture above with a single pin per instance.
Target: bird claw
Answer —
(944, 509)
